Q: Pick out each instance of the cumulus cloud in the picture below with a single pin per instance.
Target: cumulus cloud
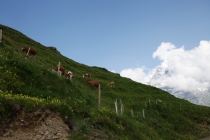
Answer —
(186, 69)
(166, 50)
(136, 74)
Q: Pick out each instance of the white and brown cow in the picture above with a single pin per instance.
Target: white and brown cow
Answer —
(87, 75)
(69, 75)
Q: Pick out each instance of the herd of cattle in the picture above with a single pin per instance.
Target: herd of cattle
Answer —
(61, 71)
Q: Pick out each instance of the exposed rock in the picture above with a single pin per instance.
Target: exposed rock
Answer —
(36, 126)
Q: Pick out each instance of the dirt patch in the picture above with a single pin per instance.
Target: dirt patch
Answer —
(38, 125)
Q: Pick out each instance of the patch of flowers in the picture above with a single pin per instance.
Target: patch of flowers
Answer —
(13, 102)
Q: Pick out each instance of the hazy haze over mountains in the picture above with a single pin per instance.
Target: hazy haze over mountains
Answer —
(183, 73)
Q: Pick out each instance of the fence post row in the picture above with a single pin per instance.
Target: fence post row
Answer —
(121, 107)
(143, 113)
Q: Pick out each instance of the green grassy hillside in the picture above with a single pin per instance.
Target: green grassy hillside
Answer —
(147, 112)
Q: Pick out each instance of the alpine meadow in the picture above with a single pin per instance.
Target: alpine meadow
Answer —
(126, 111)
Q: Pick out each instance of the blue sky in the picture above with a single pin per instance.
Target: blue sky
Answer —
(113, 34)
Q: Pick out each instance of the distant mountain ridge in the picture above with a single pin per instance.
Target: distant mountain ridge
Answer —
(199, 96)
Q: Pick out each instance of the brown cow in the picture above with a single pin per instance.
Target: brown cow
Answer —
(61, 70)
(87, 75)
(29, 51)
(93, 83)
(111, 84)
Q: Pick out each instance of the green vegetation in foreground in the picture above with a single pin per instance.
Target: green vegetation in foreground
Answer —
(30, 84)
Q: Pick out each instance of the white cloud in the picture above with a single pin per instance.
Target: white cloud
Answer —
(136, 74)
(188, 69)
(166, 50)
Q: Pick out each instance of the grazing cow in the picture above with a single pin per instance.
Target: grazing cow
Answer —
(61, 70)
(69, 72)
(93, 83)
(111, 84)
(69, 75)
(87, 75)
(29, 51)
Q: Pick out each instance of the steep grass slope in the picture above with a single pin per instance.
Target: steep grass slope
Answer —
(147, 112)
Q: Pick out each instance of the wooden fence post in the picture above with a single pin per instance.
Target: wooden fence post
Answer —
(28, 51)
(99, 95)
(59, 68)
(131, 112)
(121, 108)
(116, 106)
(143, 113)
